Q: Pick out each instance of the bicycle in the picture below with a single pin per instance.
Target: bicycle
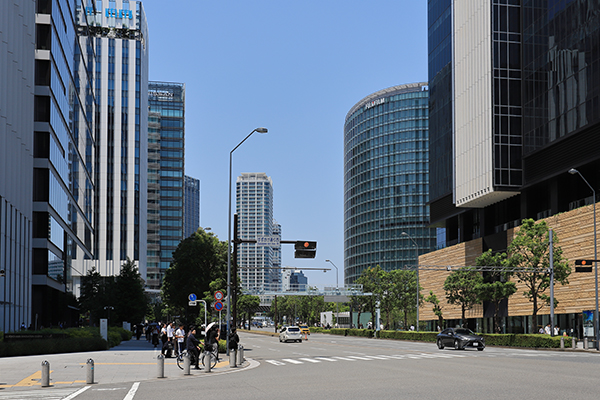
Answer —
(214, 358)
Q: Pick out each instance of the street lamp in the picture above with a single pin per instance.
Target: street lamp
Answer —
(259, 130)
(417, 249)
(337, 289)
(573, 171)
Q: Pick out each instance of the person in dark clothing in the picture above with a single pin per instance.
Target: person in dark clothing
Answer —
(234, 339)
(193, 347)
(212, 339)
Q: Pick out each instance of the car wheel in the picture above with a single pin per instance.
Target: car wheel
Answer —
(480, 349)
(440, 344)
(300, 341)
(280, 340)
(456, 344)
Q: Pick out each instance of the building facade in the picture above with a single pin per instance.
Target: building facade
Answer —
(17, 83)
(386, 182)
(523, 94)
(191, 202)
(166, 140)
(254, 206)
(120, 35)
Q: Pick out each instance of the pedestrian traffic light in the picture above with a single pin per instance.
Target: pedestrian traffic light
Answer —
(586, 265)
(305, 249)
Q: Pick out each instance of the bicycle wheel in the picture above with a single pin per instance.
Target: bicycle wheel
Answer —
(214, 358)
(180, 360)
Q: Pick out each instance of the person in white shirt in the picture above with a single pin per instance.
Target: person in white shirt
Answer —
(180, 336)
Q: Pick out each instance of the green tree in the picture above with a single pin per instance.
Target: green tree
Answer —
(197, 261)
(404, 291)
(530, 251)
(92, 298)
(496, 285)
(248, 305)
(437, 308)
(372, 280)
(127, 295)
(460, 287)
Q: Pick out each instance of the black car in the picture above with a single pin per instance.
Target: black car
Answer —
(459, 338)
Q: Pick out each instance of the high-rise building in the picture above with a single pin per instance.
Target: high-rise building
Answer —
(17, 86)
(514, 105)
(120, 38)
(166, 140)
(386, 182)
(191, 202)
(254, 206)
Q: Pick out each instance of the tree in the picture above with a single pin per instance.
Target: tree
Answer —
(248, 304)
(404, 291)
(197, 261)
(460, 287)
(128, 296)
(529, 250)
(372, 280)
(92, 296)
(495, 286)
(437, 308)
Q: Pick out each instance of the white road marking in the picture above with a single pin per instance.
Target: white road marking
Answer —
(310, 360)
(77, 393)
(292, 361)
(274, 362)
(132, 391)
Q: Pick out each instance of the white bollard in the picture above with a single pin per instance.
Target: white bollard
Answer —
(45, 374)
(206, 361)
(89, 378)
(186, 364)
(160, 362)
(232, 358)
(240, 355)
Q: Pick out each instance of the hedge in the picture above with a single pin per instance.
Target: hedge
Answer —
(508, 340)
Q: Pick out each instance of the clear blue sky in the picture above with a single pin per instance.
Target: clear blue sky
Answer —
(296, 68)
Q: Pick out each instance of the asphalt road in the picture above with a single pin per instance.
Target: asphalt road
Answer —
(332, 367)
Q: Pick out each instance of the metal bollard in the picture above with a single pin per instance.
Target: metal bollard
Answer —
(206, 361)
(89, 377)
(585, 343)
(187, 362)
(573, 343)
(562, 342)
(240, 355)
(45, 374)
(232, 358)
(161, 366)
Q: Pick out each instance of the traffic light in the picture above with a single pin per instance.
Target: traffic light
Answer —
(305, 249)
(587, 265)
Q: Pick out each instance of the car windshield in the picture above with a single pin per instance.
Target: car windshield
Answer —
(294, 329)
(463, 331)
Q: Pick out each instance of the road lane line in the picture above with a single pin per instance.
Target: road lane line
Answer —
(292, 361)
(132, 391)
(77, 393)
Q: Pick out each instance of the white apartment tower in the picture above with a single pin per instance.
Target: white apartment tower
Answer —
(258, 265)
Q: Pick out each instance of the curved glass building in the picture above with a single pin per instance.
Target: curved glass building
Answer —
(386, 180)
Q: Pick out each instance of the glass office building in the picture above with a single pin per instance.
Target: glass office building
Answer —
(119, 33)
(515, 106)
(386, 180)
(166, 140)
(191, 212)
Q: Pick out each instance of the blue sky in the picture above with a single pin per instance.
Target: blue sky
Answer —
(295, 68)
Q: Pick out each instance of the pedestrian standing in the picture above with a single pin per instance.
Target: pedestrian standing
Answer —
(180, 337)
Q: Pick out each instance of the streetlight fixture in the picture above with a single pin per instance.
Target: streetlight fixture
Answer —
(337, 289)
(417, 249)
(573, 171)
(259, 130)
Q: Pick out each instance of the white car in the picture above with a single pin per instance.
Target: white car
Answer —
(290, 333)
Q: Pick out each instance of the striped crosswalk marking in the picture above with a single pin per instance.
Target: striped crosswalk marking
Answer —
(310, 360)
(275, 362)
(292, 361)
(326, 359)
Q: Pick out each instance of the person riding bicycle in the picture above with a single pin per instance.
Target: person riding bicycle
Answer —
(193, 347)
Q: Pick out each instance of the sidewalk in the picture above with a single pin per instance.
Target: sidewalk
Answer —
(132, 361)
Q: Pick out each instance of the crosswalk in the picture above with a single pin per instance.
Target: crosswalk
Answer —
(362, 357)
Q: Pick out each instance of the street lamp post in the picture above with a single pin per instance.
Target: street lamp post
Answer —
(337, 288)
(417, 249)
(259, 130)
(573, 171)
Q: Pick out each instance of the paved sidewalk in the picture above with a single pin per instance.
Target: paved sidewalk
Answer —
(135, 360)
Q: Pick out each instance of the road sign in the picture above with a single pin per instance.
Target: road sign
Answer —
(218, 295)
(192, 297)
(193, 303)
(274, 241)
(218, 305)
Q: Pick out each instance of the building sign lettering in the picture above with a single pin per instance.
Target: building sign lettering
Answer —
(374, 103)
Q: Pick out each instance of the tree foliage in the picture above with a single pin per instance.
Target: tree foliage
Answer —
(437, 308)
(460, 287)
(198, 260)
(530, 251)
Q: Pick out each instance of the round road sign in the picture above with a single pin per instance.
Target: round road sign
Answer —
(218, 295)
(218, 305)
(192, 297)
